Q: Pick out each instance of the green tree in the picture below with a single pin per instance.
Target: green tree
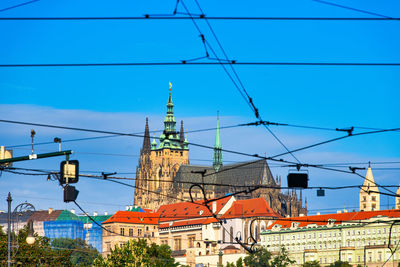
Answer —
(311, 264)
(263, 258)
(239, 262)
(81, 253)
(38, 254)
(138, 253)
(340, 264)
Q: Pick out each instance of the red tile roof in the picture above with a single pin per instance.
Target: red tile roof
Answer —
(134, 217)
(250, 208)
(189, 210)
(338, 217)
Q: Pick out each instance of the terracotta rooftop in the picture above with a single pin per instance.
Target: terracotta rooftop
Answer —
(337, 218)
(250, 208)
(134, 217)
(189, 210)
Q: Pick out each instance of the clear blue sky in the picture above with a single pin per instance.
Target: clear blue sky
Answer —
(119, 98)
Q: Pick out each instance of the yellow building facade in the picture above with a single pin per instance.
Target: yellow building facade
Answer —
(357, 237)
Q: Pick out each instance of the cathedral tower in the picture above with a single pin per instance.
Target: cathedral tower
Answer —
(369, 200)
(143, 168)
(165, 158)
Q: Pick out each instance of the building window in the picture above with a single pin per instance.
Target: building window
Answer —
(130, 232)
(191, 241)
(122, 231)
(177, 243)
(139, 232)
(231, 234)
(373, 198)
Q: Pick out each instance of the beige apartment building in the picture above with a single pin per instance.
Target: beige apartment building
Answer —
(191, 230)
(126, 225)
(357, 237)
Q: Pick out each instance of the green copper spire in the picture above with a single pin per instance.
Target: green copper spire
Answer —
(170, 138)
(217, 158)
(169, 121)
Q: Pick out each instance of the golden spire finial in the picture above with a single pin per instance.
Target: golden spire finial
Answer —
(170, 86)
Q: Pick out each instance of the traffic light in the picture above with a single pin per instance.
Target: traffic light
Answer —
(297, 180)
(320, 192)
(69, 171)
(70, 193)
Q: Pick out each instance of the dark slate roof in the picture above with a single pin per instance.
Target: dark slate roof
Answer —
(45, 215)
(245, 173)
(22, 217)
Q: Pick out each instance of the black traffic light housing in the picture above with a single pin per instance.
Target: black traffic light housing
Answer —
(297, 180)
(69, 173)
(70, 193)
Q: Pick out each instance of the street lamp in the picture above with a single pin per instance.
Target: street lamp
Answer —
(30, 239)
(18, 211)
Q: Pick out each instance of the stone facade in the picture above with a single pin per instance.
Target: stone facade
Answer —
(357, 237)
(126, 225)
(165, 176)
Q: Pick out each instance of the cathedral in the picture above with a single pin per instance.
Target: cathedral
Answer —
(164, 174)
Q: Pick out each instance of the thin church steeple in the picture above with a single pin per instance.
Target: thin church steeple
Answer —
(146, 140)
(217, 158)
(169, 121)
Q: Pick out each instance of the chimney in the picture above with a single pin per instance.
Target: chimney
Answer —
(95, 213)
(302, 215)
(50, 210)
(73, 211)
(127, 207)
(214, 207)
(318, 213)
(339, 211)
(344, 210)
(105, 213)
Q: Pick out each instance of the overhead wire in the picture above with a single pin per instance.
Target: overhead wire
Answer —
(277, 187)
(223, 63)
(190, 143)
(241, 88)
(352, 8)
(18, 5)
(199, 17)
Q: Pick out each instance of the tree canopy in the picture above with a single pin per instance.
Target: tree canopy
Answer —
(81, 253)
(263, 258)
(311, 264)
(138, 253)
(38, 254)
(340, 264)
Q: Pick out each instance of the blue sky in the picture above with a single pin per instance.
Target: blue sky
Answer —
(119, 98)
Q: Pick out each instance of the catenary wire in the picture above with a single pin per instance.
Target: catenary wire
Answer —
(194, 144)
(19, 5)
(247, 63)
(352, 8)
(199, 17)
